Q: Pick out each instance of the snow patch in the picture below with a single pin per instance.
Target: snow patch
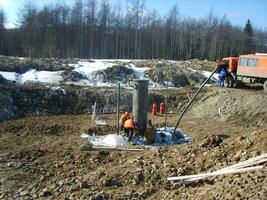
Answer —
(215, 77)
(111, 140)
(42, 76)
(11, 76)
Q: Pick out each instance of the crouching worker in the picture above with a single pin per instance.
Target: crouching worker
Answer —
(129, 128)
(123, 118)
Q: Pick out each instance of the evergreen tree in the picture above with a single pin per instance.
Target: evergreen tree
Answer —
(98, 29)
(248, 38)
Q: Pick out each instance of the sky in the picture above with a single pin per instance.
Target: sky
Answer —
(237, 11)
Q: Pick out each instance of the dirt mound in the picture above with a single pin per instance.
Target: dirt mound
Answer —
(72, 76)
(117, 73)
(202, 65)
(233, 105)
(180, 74)
(22, 65)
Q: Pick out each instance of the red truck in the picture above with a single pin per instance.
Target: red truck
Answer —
(252, 67)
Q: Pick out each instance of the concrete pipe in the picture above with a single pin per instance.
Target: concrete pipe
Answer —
(140, 104)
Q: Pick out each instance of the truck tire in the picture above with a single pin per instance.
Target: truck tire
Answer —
(265, 85)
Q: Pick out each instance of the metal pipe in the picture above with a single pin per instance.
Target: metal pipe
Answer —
(118, 107)
(191, 101)
(166, 103)
(140, 101)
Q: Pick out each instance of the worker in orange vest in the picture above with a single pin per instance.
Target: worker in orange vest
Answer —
(129, 128)
(154, 109)
(123, 118)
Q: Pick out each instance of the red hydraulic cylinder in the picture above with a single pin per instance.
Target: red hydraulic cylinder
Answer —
(162, 108)
(154, 109)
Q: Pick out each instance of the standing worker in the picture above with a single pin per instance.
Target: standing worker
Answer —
(129, 128)
(222, 70)
(123, 118)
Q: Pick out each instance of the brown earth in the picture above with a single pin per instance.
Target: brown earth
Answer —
(40, 157)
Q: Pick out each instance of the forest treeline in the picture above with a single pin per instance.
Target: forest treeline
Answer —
(126, 29)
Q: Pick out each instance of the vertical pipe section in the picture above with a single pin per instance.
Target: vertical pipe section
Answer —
(140, 101)
(118, 107)
(191, 101)
(166, 107)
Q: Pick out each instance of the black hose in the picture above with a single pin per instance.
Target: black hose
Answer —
(191, 101)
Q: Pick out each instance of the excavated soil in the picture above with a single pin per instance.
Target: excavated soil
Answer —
(40, 157)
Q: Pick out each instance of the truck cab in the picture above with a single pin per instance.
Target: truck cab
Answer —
(252, 67)
(232, 63)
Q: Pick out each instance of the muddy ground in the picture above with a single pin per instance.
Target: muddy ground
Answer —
(40, 157)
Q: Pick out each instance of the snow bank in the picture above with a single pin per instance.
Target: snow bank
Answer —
(42, 76)
(34, 76)
(89, 71)
(11, 76)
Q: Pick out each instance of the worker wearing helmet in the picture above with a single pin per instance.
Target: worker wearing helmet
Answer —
(123, 118)
(129, 128)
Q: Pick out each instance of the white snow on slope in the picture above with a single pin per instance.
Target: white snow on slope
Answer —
(34, 76)
(42, 76)
(11, 76)
(88, 70)
(215, 77)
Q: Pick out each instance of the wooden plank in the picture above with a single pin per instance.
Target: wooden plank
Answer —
(94, 148)
(207, 175)
(244, 164)
(195, 179)
(248, 162)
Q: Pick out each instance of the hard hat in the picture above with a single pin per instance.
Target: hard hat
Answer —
(127, 113)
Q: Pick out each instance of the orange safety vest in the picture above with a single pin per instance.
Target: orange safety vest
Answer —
(129, 123)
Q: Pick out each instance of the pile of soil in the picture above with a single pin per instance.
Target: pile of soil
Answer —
(22, 65)
(247, 108)
(179, 76)
(117, 73)
(72, 76)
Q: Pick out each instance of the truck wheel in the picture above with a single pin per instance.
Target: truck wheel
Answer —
(265, 85)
